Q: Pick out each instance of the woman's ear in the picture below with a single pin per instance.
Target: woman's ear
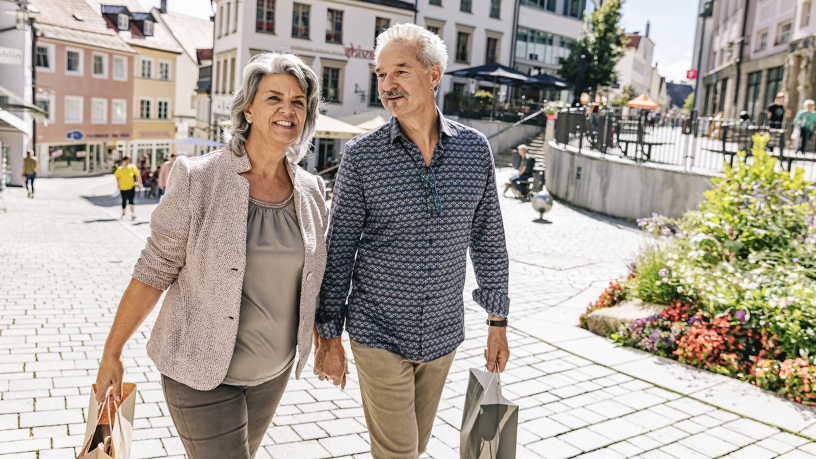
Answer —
(248, 114)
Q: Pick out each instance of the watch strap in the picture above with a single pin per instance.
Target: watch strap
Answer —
(497, 323)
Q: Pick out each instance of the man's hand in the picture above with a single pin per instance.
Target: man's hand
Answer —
(497, 348)
(330, 361)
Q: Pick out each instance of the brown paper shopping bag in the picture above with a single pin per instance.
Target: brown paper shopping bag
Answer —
(110, 425)
(489, 421)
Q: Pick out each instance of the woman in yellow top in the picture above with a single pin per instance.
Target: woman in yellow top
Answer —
(127, 175)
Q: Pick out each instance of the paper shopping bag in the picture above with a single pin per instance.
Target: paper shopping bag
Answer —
(109, 429)
(489, 421)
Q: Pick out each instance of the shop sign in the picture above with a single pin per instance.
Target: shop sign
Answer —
(316, 50)
(75, 135)
(11, 56)
(691, 74)
(359, 52)
(161, 135)
(805, 43)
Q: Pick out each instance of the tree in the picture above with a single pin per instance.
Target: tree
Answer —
(602, 42)
(687, 105)
(627, 93)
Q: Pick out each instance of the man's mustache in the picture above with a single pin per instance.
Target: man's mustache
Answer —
(398, 93)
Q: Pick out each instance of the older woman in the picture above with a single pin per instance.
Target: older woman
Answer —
(238, 243)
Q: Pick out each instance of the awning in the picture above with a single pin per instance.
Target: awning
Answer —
(331, 128)
(38, 113)
(9, 120)
(367, 120)
(197, 141)
(643, 101)
(497, 73)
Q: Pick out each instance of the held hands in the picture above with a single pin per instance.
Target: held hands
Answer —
(111, 372)
(330, 359)
(497, 349)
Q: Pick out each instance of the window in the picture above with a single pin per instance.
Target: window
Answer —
(45, 57)
(46, 102)
(784, 33)
(331, 84)
(144, 109)
(459, 88)
(762, 40)
(548, 5)
(163, 109)
(221, 21)
(120, 68)
(147, 68)
(374, 92)
(227, 10)
(334, 26)
(73, 61)
(118, 111)
(123, 22)
(232, 69)
(435, 2)
(235, 19)
(148, 28)
(572, 8)
(535, 45)
(73, 109)
(164, 70)
(492, 50)
(462, 42)
(465, 5)
(773, 85)
(806, 13)
(565, 47)
(433, 30)
(265, 16)
(99, 111)
(707, 97)
(723, 88)
(100, 65)
(300, 21)
(217, 81)
(495, 8)
(380, 26)
(752, 94)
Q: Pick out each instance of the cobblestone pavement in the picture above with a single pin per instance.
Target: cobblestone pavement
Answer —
(65, 258)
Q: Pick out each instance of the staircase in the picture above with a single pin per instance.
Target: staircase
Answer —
(536, 148)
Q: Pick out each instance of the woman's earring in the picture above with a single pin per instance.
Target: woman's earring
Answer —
(249, 120)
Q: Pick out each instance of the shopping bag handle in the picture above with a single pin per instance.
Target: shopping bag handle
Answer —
(494, 373)
(107, 403)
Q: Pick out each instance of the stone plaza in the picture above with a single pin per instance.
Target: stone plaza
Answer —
(66, 258)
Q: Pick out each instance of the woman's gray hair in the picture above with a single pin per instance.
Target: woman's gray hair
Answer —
(274, 64)
(431, 49)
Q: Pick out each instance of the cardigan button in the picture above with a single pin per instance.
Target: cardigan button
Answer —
(308, 277)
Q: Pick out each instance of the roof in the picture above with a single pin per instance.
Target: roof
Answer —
(61, 13)
(142, 17)
(634, 40)
(161, 39)
(193, 34)
(204, 55)
(392, 3)
(99, 40)
(115, 9)
(678, 93)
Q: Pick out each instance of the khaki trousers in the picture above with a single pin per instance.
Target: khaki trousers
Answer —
(400, 399)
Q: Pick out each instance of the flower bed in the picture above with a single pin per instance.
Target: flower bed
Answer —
(739, 276)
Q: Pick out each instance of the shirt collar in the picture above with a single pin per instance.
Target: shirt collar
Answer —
(445, 127)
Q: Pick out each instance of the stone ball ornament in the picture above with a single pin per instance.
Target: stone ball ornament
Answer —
(542, 202)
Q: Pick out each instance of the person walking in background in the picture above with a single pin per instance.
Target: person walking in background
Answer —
(405, 256)
(777, 111)
(164, 172)
(806, 122)
(238, 243)
(127, 177)
(30, 167)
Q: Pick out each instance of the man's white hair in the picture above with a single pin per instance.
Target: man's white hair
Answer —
(431, 50)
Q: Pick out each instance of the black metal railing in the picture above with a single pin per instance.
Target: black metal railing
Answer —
(510, 111)
(685, 142)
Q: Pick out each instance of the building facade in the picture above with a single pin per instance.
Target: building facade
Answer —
(84, 82)
(799, 62)
(204, 129)
(634, 69)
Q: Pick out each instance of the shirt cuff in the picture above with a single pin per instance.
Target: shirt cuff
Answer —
(331, 329)
(497, 304)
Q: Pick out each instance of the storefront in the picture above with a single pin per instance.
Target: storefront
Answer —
(79, 154)
(156, 152)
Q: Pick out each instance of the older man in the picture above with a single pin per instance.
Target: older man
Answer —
(410, 198)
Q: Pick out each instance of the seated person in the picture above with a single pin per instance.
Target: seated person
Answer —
(525, 171)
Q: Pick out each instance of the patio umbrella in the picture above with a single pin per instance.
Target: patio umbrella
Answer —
(643, 101)
(196, 141)
(367, 120)
(545, 79)
(497, 73)
(331, 128)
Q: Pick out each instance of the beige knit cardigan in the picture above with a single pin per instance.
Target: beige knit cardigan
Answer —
(197, 252)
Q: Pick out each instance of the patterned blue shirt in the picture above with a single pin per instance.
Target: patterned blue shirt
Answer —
(406, 264)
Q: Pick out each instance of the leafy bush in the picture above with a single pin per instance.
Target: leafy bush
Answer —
(613, 295)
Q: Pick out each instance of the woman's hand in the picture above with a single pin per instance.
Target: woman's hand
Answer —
(111, 372)
(330, 361)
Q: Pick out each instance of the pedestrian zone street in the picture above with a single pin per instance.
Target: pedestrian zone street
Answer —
(66, 258)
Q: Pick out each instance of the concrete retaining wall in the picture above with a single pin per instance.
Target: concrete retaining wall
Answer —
(505, 140)
(619, 187)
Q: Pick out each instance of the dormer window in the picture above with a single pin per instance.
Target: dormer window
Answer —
(123, 22)
(148, 28)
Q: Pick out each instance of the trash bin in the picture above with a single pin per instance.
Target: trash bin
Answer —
(538, 181)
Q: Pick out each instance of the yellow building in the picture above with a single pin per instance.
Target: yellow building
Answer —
(154, 77)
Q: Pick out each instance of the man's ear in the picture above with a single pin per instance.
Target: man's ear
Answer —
(436, 75)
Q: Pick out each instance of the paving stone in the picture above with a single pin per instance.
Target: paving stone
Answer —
(303, 450)
(708, 444)
(345, 445)
(585, 439)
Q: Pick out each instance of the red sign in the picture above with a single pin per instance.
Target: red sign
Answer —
(359, 52)
(691, 74)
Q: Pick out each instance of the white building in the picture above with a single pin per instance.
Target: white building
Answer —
(191, 34)
(16, 123)
(635, 67)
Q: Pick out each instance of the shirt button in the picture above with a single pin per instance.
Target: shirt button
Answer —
(308, 277)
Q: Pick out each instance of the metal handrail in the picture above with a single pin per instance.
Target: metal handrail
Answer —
(517, 123)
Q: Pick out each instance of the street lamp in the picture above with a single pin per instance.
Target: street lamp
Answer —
(708, 11)
(579, 82)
